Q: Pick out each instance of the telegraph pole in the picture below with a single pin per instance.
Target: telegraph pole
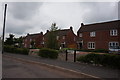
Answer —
(4, 29)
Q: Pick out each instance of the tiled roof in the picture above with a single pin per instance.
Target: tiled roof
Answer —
(60, 32)
(100, 26)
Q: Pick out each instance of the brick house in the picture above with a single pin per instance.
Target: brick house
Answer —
(36, 38)
(99, 35)
(66, 38)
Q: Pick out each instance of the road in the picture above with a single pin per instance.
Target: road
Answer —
(18, 69)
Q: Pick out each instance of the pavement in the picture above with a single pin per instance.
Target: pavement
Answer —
(97, 71)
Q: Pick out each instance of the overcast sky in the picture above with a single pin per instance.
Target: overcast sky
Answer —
(34, 17)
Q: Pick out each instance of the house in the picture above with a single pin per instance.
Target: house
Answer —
(65, 37)
(35, 40)
(99, 35)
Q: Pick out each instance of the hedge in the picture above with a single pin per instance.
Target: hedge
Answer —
(96, 50)
(48, 53)
(12, 49)
(102, 59)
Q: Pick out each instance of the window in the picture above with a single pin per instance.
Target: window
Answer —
(25, 40)
(113, 32)
(57, 37)
(43, 38)
(42, 42)
(30, 40)
(113, 44)
(92, 34)
(91, 45)
(74, 39)
(25, 45)
(63, 37)
(80, 35)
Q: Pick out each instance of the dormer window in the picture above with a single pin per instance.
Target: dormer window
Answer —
(80, 35)
(113, 32)
(92, 34)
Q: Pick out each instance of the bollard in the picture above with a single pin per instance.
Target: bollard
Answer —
(74, 55)
(66, 56)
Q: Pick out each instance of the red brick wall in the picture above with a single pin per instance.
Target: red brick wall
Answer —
(70, 40)
(38, 40)
(101, 39)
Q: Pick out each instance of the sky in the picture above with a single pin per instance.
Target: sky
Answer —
(34, 17)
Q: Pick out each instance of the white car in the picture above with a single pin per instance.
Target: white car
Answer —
(115, 50)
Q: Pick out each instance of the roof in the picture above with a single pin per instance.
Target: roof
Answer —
(100, 26)
(33, 35)
(60, 32)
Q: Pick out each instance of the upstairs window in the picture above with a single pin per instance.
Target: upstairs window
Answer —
(57, 37)
(30, 40)
(92, 34)
(80, 35)
(113, 32)
(63, 37)
(43, 38)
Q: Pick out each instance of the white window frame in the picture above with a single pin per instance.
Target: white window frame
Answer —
(63, 37)
(43, 38)
(57, 37)
(80, 35)
(30, 40)
(113, 32)
(92, 34)
(115, 42)
(91, 45)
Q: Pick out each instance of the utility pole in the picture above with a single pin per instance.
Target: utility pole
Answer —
(4, 29)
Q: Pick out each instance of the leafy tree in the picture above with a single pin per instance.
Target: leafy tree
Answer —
(51, 41)
(10, 40)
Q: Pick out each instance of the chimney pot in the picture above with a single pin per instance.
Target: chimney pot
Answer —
(47, 31)
(41, 33)
(71, 27)
(82, 24)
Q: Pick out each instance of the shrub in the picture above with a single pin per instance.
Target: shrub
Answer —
(101, 50)
(103, 59)
(12, 49)
(97, 50)
(48, 53)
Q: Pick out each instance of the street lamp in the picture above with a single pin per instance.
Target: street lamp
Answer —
(4, 28)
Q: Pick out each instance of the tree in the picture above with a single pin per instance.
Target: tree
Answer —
(51, 41)
(10, 40)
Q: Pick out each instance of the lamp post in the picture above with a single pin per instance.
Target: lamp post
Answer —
(4, 29)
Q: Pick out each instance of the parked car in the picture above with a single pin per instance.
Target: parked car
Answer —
(115, 50)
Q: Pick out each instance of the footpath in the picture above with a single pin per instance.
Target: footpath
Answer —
(97, 71)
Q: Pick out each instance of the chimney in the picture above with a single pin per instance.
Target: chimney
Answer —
(41, 33)
(47, 31)
(71, 27)
(28, 34)
(82, 24)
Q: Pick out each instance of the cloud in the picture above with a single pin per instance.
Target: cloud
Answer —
(33, 17)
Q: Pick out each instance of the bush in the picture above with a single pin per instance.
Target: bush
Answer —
(101, 50)
(96, 50)
(102, 59)
(48, 53)
(12, 49)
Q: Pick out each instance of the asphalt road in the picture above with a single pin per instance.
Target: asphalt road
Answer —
(17, 69)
